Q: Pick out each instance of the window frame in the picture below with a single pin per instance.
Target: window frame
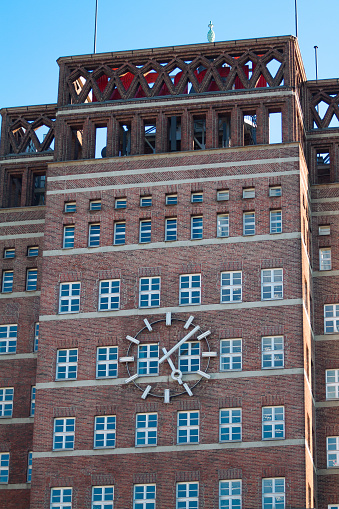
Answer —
(188, 433)
(146, 201)
(71, 299)
(146, 435)
(7, 282)
(32, 281)
(187, 499)
(248, 226)
(197, 197)
(8, 343)
(277, 431)
(275, 222)
(190, 290)
(106, 491)
(248, 193)
(334, 384)
(325, 262)
(119, 237)
(68, 236)
(233, 495)
(110, 362)
(233, 355)
(34, 249)
(94, 231)
(223, 195)
(234, 287)
(146, 501)
(67, 436)
(120, 203)
(4, 467)
(112, 297)
(150, 362)
(270, 494)
(70, 207)
(145, 231)
(169, 197)
(63, 502)
(274, 351)
(197, 227)
(232, 425)
(223, 230)
(67, 367)
(107, 434)
(169, 235)
(272, 284)
(332, 318)
(9, 250)
(6, 402)
(149, 298)
(271, 190)
(95, 202)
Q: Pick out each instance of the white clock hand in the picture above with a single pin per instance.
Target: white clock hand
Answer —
(176, 373)
(175, 347)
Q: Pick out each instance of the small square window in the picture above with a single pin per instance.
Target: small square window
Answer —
(31, 280)
(95, 205)
(248, 192)
(275, 191)
(70, 206)
(9, 253)
(197, 197)
(223, 195)
(325, 230)
(120, 203)
(33, 251)
(145, 201)
(171, 199)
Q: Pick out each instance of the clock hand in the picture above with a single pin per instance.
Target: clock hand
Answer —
(176, 373)
(175, 347)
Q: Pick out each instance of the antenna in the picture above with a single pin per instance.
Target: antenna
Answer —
(296, 18)
(95, 26)
(316, 62)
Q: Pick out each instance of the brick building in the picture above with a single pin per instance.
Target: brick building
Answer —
(169, 314)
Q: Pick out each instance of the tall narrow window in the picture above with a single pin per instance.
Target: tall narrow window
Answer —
(275, 221)
(273, 422)
(332, 384)
(64, 433)
(119, 233)
(39, 190)
(187, 495)
(174, 134)
(145, 231)
(68, 238)
(224, 131)
(189, 357)
(8, 338)
(107, 362)
(29, 466)
(36, 336)
(67, 364)
(323, 166)
(188, 427)
(249, 223)
(231, 286)
(171, 229)
(4, 467)
(33, 392)
(275, 127)
(7, 281)
(230, 354)
(325, 259)
(100, 141)
(32, 280)
(150, 137)
(272, 352)
(199, 133)
(94, 235)
(223, 225)
(6, 401)
(332, 451)
(250, 129)
(196, 227)
(124, 139)
(331, 318)
(76, 143)
(148, 359)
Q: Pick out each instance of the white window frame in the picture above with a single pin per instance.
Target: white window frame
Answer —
(324, 229)
(275, 191)
(95, 205)
(171, 229)
(36, 336)
(61, 498)
(148, 359)
(189, 362)
(145, 231)
(149, 292)
(230, 423)
(197, 197)
(231, 354)
(325, 258)
(9, 252)
(332, 383)
(31, 280)
(248, 192)
(231, 286)
(68, 237)
(94, 235)
(146, 429)
(146, 201)
(105, 431)
(7, 281)
(70, 207)
(119, 233)
(66, 364)
(223, 225)
(272, 352)
(188, 499)
(273, 422)
(4, 467)
(143, 496)
(71, 299)
(6, 402)
(171, 199)
(332, 448)
(272, 284)
(101, 495)
(120, 203)
(275, 221)
(331, 318)
(33, 395)
(66, 433)
(107, 360)
(223, 195)
(8, 338)
(197, 227)
(109, 294)
(188, 423)
(230, 494)
(248, 223)
(191, 292)
(34, 250)
(273, 493)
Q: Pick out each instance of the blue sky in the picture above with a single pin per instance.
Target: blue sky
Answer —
(35, 33)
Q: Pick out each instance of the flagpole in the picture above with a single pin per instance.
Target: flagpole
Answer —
(296, 18)
(95, 26)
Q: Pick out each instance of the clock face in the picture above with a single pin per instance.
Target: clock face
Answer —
(168, 357)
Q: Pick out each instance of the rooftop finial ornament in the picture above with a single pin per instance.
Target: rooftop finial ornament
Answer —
(210, 33)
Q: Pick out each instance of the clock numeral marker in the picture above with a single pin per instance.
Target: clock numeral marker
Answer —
(209, 354)
(169, 318)
(148, 325)
(126, 359)
(166, 396)
(146, 391)
(188, 390)
(131, 378)
(204, 335)
(202, 373)
(133, 340)
(189, 321)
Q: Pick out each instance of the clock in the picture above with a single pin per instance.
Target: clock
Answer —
(168, 357)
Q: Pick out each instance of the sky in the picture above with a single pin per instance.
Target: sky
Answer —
(35, 33)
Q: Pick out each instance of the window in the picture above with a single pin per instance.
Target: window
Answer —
(273, 493)
(223, 195)
(332, 384)
(230, 354)
(144, 496)
(69, 299)
(275, 221)
(70, 206)
(230, 424)
(107, 362)
(190, 289)
(271, 284)
(187, 495)
(171, 199)
(148, 359)
(32, 279)
(145, 231)
(7, 281)
(8, 337)
(149, 292)
(197, 197)
(223, 229)
(272, 352)
(6, 401)
(145, 201)
(95, 205)
(146, 429)
(171, 229)
(102, 497)
(36, 337)
(249, 223)
(273, 422)
(9, 252)
(188, 427)
(331, 318)
(67, 364)
(68, 241)
(64, 431)
(199, 133)
(189, 357)
(248, 192)
(150, 136)
(119, 233)
(104, 431)
(325, 230)
(196, 227)
(4, 467)
(29, 466)
(120, 203)
(33, 392)
(174, 131)
(230, 494)
(61, 498)
(33, 251)
(94, 235)
(231, 286)
(109, 294)
(274, 191)
(325, 259)
(332, 451)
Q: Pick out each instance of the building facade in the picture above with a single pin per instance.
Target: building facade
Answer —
(169, 319)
